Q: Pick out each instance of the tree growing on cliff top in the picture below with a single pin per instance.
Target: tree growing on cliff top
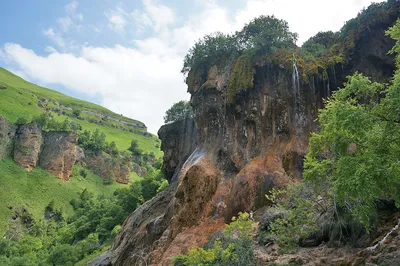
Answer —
(259, 37)
(178, 111)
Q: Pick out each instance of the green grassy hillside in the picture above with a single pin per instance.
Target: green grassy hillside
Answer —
(24, 99)
(35, 190)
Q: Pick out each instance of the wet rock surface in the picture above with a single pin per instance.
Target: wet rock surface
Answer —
(179, 140)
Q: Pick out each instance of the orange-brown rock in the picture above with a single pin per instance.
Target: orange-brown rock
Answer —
(59, 154)
(27, 146)
(244, 148)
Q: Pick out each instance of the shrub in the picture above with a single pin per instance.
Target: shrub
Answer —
(235, 250)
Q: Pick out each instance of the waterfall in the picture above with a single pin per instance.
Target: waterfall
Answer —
(386, 236)
(295, 79)
(296, 94)
(193, 159)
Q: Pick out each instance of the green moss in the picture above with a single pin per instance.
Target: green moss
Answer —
(241, 77)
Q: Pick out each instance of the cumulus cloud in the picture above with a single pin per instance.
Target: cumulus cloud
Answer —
(143, 81)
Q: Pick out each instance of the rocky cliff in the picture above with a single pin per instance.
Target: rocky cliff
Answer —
(178, 142)
(27, 146)
(246, 144)
(58, 155)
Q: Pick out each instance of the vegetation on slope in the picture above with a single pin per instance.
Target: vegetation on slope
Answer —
(21, 99)
(352, 165)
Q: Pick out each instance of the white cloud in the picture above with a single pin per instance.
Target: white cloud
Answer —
(143, 81)
(50, 49)
(117, 18)
(56, 37)
(157, 16)
(130, 82)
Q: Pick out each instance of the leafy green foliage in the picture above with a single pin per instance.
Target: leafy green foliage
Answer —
(265, 34)
(48, 123)
(95, 141)
(357, 149)
(261, 36)
(236, 249)
(209, 50)
(178, 111)
(300, 220)
(134, 148)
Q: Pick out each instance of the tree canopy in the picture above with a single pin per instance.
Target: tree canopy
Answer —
(260, 36)
(178, 111)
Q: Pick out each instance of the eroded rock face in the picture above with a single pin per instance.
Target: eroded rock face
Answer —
(243, 149)
(59, 154)
(27, 146)
(178, 142)
(106, 167)
(7, 133)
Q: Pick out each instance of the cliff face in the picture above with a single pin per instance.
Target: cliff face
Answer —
(107, 167)
(27, 146)
(244, 147)
(178, 142)
(55, 152)
(58, 155)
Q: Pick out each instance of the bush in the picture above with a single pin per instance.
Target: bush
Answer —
(22, 121)
(236, 249)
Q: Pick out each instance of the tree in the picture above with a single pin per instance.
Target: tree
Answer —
(178, 111)
(265, 33)
(76, 113)
(357, 149)
(209, 50)
(134, 148)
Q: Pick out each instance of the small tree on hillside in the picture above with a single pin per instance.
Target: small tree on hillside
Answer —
(178, 111)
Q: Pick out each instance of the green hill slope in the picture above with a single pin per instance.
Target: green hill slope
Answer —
(19, 98)
(35, 190)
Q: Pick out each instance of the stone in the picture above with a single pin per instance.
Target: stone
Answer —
(27, 146)
(59, 154)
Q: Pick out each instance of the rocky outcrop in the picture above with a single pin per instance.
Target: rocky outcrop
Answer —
(7, 133)
(108, 167)
(246, 144)
(27, 146)
(178, 142)
(59, 154)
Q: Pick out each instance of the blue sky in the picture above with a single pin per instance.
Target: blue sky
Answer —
(126, 55)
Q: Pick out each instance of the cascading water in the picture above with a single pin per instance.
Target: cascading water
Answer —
(295, 80)
(298, 120)
(386, 236)
(193, 159)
